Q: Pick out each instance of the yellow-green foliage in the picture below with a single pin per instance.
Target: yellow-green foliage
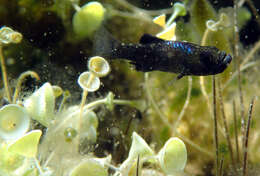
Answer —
(202, 11)
(102, 125)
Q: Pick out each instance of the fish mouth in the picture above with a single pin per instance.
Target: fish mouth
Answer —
(226, 59)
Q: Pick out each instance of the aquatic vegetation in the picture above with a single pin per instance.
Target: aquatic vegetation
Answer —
(40, 105)
(173, 156)
(89, 115)
(7, 35)
(27, 145)
(14, 121)
(88, 18)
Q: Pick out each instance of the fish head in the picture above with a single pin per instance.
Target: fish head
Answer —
(214, 60)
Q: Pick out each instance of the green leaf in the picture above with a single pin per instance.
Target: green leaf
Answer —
(173, 156)
(89, 167)
(27, 145)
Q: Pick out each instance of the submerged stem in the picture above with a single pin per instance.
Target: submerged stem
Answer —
(222, 109)
(246, 137)
(154, 104)
(187, 140)
(254, 10)
(236, 132)
(237, 64)
(251, 53)
(185, 104)
(38, 166)
(202, 85)
(165, 120)
(4, 75)
(215, 122)
(83, 101)
(204, 37)
(221, 167)
(204, 93)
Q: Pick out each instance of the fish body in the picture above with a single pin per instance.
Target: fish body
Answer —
(183, 58)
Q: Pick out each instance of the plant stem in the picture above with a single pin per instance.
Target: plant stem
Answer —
(215, 122)
(251, 53)
(204, 37)
(64, 98)
(202, 85)
(244, 67)
(222, 109)
(173, 16)
(165, 120)
(4, 75)
(204, 93)
(202, 150)
(185, 104)
(137, 165)
(246, 137)
(140, 11)
(38, 166)
(83, 101)
(236, 133)
(153, 103)
(221, 166)
(254, 10)
(20, 81)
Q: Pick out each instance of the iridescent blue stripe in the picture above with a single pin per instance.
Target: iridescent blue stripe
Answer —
(179, 45)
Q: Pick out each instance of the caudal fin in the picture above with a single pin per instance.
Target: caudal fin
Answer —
(104, 44)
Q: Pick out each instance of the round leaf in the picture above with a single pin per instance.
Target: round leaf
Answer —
(14, 121)
(173, 156)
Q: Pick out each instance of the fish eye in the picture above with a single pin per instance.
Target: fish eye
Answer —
(227, 59)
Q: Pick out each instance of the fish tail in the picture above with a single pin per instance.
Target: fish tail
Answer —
(105, 44)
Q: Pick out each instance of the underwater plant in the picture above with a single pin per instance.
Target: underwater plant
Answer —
(88, 18)
(92, 115)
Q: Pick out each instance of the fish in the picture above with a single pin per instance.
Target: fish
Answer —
(155, 54)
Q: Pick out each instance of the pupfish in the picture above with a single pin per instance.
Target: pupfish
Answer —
(155, 54)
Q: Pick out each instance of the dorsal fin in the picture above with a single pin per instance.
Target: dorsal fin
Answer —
(147, 38)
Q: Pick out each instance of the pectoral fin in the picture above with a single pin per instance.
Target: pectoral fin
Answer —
(180, 76)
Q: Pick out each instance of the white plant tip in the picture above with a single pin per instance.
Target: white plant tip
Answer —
(179, 8)
(8, 35)
(223, 22)
(173, 156)
(57, 91)
(14, 121)
(139, 147)
(99, 66)
(40, 105)
(89, 167)
(212, 25)
(89, 82)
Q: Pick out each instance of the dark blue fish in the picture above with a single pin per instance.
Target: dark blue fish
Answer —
(153, 54)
